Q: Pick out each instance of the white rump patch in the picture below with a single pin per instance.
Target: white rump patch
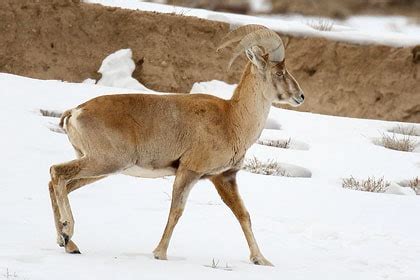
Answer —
(73, 117)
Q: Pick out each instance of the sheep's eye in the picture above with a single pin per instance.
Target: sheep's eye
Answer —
(279, 74)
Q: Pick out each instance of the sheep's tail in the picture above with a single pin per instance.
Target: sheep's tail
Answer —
(64, 118)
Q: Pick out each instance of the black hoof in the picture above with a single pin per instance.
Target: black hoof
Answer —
(75, 252)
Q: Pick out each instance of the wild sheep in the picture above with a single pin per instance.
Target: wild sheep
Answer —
(190, 136)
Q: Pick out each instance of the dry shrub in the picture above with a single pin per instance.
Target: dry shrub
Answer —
(215, 264)
(50, 113)
(405, 144)
(369, 185)
(415, 185)
(284, 144)
(269, 167)
(406, 130)
(321, 24)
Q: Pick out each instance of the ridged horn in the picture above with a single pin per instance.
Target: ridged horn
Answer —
(255, 35)
(239, 33)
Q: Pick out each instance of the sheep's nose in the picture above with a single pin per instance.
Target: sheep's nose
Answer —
(302, 96)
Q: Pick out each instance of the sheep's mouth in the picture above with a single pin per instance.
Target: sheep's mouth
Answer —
(297, 102)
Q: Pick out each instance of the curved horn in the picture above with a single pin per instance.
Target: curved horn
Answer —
(237, 34)
(269, 40)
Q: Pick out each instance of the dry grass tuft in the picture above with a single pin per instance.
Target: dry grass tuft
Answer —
(405, 144)
(369, 185)
(321, 24)
(50, 113)
(269, 167)
(284, 144)
(415, 185)
(405, 130)
(215, 264)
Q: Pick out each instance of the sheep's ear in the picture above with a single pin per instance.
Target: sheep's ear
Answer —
(255, 55)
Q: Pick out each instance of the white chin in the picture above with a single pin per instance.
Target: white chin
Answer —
(280, 102)
(291, 102)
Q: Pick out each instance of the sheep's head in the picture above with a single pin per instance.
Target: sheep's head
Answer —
(265, 50)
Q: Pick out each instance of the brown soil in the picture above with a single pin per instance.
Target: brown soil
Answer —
(64, 39)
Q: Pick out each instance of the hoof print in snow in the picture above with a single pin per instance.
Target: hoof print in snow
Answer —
(284, 144)
(271, 167)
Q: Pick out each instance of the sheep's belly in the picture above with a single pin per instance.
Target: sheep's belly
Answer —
(137, 171)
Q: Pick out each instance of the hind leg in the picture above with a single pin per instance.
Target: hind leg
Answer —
(56, 213)
(66, 177)
(78, 183)
(71, 186)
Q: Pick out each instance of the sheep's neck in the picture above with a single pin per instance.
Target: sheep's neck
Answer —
(250, 106)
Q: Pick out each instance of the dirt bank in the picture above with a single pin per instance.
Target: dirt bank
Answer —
(64, 39)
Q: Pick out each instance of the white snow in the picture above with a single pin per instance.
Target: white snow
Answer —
(117, 69)
(395, 188)
(89, 81)
(310, 228)
(360, 30)
(396, 24)
(379, 26)
(213, 87)
(260, 6)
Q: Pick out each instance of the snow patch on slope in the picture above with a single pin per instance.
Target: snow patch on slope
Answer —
(217, 88)
(117, 70)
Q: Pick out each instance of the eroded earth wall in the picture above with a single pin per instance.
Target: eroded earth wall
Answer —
(67, 40)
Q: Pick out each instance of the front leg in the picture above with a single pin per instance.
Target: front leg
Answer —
(184, 181)
(227, 188)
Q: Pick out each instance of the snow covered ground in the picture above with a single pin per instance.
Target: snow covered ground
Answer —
(392, 31)
(309, 227)
(116, 71)
(378, 26)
